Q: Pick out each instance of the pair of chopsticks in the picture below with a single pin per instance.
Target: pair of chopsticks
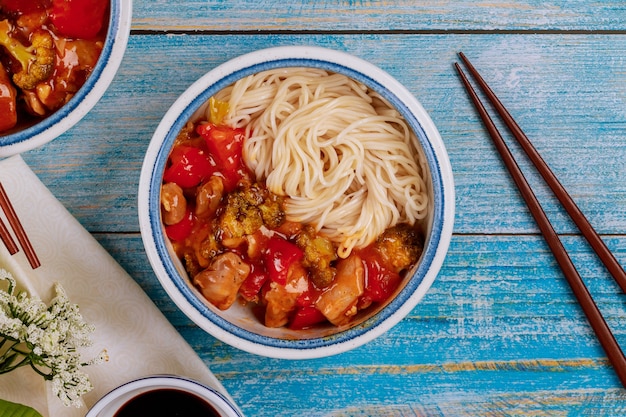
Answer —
(589, 307)
(20, 233)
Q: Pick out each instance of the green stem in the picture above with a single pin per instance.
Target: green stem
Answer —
(9, 350)
(23, 362)
(43, 374)
(18, 350)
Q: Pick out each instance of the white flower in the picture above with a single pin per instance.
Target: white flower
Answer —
(70, 386)
(47, 339)
(10, 327)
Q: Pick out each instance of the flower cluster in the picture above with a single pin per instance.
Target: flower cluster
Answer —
(46, 338)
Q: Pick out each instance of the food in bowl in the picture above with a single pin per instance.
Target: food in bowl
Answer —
(48, 49)
(299, 192)
(242, 326)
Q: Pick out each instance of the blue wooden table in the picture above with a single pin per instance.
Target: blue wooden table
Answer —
(499, 333)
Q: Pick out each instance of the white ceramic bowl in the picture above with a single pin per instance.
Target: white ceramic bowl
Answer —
(87, 96)
(111, 403)
(237, 326)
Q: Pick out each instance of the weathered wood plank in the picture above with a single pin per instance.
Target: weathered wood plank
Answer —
(378, 15)
(499, 333)
(498, 328)
(567, 91)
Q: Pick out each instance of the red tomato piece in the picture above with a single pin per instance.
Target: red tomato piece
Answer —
(305, 299)
(308, 297)
(226, 146)
(23, 6)
(280, 255)
(306, 317)
(188, 166)
(79, 18)
(257, 277)
(380, 282)
(8, 101)
(182, 229)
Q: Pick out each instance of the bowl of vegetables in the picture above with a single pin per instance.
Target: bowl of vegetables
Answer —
(296, 202)
(57, 58)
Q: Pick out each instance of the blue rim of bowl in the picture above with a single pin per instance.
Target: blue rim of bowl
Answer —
(157, 380)
(347, 335)
(30, 132)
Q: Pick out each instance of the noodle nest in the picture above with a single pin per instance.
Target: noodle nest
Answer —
(346, 160)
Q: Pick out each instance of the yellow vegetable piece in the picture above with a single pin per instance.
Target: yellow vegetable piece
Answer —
(217, 111)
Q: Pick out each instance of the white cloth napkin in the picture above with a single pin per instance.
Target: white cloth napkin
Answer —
(139, 339)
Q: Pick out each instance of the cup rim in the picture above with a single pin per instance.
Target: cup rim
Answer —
(222, 76)
(146, 384)
(87, 96)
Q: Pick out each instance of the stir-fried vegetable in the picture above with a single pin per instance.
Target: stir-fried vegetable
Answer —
(7, 101)
(79, 18)
(231, 233)
(36, 60)
(48, 48)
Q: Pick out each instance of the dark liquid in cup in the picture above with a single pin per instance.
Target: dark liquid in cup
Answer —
(167, 403)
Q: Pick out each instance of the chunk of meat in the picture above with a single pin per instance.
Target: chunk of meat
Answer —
(220, 282)
(173, 203)
(256, 243)
(208, 196)
(205, 245)
(75, 61)
(338, 302)
(282, 299)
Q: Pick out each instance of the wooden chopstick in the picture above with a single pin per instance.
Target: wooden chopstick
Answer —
(19, 231)
(587, 230)
(589, 307)
(7, 239)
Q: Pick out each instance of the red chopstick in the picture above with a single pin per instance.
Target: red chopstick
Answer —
(7, 239)
(589, 307)
(19, 231)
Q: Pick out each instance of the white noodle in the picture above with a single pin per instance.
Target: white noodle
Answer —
(345, 159)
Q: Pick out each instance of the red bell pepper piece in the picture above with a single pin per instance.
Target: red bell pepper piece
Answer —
(280, 255)
(253, 283)
(188, 166)
(305, 299)
(226, 146)
(380, 282)
(306, 317)
(308, 297)
(79, 18)
(182, 229)
(8, 101)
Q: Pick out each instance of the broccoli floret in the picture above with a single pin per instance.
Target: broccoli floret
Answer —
(319, 254)
(36, 60)
(400, 246)
(248, 209)
(272, 210)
